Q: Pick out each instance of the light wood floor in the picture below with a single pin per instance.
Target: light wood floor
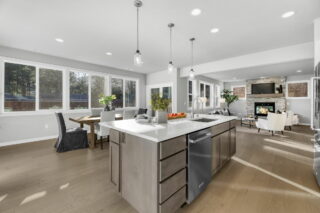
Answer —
(268, 174)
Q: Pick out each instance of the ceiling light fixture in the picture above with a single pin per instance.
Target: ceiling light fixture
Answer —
(191, 73)
(299, 70)
(214, 30)
(196, 12)
(288, 14)
(60, 40)
(109, 53)
(137, 58)
(170, 65)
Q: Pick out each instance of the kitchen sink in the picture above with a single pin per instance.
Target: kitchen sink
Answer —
(207, 120)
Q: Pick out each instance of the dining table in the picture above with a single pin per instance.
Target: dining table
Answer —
(91, 121)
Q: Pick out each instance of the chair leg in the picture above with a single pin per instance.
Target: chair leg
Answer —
(272, 133)
(290, 128)
(282, 132)
(258, 130)
(101, 142)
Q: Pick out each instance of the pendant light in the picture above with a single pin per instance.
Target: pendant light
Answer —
(170, 65)
(137, 58)
(191, 73)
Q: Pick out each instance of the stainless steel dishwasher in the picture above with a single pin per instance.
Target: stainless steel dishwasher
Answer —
(199, 162)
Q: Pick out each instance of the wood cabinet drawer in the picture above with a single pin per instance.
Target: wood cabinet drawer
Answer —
(215, 130)
(172, 146)
(174, 202)
(114, 136)
(172, 185)
(172, 164)
(233, 123)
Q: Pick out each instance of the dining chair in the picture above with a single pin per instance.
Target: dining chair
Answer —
(70, 139)
(141, 111)
(105, 131)
(128, 114)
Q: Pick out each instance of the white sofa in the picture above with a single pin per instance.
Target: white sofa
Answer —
(274, 122)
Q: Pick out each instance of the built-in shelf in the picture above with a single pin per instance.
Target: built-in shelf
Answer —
(275, 95)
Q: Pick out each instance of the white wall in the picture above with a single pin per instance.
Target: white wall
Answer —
(23, 128)
(238, 107)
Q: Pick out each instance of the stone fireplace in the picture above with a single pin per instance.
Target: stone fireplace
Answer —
(277, 98)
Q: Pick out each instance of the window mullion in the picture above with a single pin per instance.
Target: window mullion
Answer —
(37, 89)
(89, 91)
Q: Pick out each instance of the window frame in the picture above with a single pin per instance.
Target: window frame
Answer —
(193, 92)
(65, 88)
(211, 91)
(217, 96)
(123, 90)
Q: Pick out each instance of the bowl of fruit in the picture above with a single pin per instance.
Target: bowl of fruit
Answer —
(176, 115)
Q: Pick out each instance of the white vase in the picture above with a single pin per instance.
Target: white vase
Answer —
(161, 116)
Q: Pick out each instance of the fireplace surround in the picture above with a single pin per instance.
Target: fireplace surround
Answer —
(262, 108)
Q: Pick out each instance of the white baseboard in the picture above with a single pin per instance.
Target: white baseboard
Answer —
(304, 124)
(30, 140)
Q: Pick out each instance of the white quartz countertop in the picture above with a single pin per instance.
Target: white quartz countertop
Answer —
(162, 132)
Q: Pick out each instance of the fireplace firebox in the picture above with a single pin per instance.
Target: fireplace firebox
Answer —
(262, 108)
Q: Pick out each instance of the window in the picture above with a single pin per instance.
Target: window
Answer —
(97, 89)
(217, 96)
(117, 90)
(20, 87)
(78, 90)
(50, 89)
(190, 93)
(205, 92)
(130, 96)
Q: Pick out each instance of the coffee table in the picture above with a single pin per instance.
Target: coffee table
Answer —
(249, 121)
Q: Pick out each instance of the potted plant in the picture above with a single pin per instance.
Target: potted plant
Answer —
(160, 105)
(107, 101)
(229, 98)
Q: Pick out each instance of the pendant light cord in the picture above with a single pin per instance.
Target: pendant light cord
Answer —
(171, 44)
(137, 28)
(192, 54)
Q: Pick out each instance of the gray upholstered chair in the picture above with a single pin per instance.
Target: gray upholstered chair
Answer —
(70, 139)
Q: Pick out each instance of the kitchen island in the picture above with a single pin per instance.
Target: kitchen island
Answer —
(149, 162)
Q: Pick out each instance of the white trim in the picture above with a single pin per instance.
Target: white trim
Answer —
(217, 96)
(301, 81)
(30, 140)
(245, 90)
(2, 89)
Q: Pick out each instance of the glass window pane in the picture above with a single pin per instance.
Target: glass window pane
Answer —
(97, 90)
(20, 87)
(117, 90)
(78, 90)
(208, 95)
(190, 87)
(50, 89)
(130, 89)
(201, 90)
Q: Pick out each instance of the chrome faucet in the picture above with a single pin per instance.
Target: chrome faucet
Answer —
(192, 109)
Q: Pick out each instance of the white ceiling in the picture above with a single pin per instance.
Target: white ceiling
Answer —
(282, 69)
(92, 27)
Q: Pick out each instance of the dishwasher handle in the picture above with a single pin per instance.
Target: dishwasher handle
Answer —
(208, 135)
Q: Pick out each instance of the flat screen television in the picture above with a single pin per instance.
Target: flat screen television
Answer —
(263, 88)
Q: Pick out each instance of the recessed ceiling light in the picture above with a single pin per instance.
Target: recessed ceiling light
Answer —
(109, 53)
(299, 70)
(214, 30)
(60, 40)
(288, 14)
(262, 77)
(196, 12)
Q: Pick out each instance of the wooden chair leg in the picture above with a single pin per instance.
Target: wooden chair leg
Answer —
(101, 142)
(272, 133)
(258, 130)
(282, 132)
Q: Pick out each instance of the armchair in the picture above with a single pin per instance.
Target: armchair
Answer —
(274, 122)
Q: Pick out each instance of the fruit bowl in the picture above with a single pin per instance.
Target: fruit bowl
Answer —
(176, 115)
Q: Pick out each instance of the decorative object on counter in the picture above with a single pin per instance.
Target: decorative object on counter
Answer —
(176, 115)
(191, 73)
(160, 105)
(137, 58)
(229, 98)
(107, 101)
(170, 65)
(143, 118)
